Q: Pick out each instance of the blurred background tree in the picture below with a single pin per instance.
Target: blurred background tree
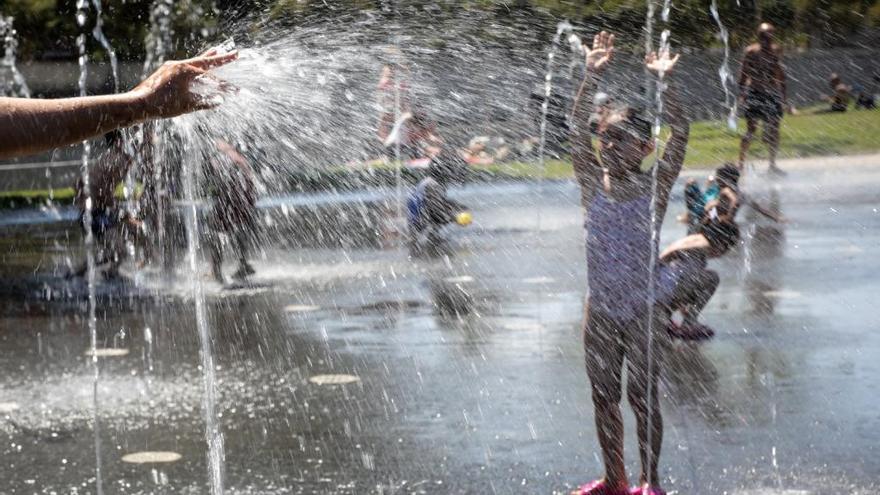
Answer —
(47, 30)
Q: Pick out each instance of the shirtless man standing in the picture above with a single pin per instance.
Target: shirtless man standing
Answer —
(762, 93)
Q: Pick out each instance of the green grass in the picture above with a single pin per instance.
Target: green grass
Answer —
(801, 136)
(711, 144)
(38, 194)
(24, 198)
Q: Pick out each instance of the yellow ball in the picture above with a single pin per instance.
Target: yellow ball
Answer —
(464, 218)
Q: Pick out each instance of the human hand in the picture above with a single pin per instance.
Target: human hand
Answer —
(168, 92)
(661, 64)
(598, 57)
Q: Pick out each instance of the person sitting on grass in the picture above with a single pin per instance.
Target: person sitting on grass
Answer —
(866, 98)
(840, 96)
(621, 223)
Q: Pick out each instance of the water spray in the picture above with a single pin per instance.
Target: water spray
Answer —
(82, 7)
(724, 70)
(17, 86)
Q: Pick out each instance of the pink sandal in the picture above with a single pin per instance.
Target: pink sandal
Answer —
(599, 487)
(646, 490)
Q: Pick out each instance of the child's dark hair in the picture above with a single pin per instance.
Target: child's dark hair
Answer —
(113, 137)
(727, 175)
(447, 167)
(630, 119)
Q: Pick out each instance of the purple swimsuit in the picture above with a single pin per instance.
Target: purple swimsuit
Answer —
(619, 249)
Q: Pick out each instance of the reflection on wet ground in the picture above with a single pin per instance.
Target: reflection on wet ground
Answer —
(361, 371)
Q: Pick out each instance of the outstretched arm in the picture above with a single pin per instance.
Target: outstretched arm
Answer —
(673, 156)
(587, 170)
(693, 242)
(676, 147)
(32, 125)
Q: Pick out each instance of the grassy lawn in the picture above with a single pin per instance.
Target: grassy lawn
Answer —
(711, 144)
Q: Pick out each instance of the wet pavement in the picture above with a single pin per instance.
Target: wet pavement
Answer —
(466, 372)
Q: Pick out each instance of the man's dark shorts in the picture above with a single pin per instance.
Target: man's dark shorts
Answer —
(763, 105)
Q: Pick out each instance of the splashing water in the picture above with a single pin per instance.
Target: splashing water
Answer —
(398, 159)
(213, 435)
(561, 28)
(649, 27)
(158, 41)
(306, 99)
(98, 34)
(724, 70)
(154, 151)
(12, 83)
(81, 17)
(667, 7)
(655, 222)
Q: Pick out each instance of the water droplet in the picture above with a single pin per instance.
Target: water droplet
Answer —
(107, 352)
(150, 457)
(340, 379)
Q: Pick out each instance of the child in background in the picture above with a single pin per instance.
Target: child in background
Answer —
(429, 208)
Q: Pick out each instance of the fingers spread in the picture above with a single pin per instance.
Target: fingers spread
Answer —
(212, 61)
(192, 71)
(206, 104)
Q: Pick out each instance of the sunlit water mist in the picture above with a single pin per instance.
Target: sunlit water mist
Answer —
(158, 41)
(92, 321)
(320, 99)
(308, 99)
(724, 73)
(564, 28)
(98, 34)
(12, 83)
(213, 435)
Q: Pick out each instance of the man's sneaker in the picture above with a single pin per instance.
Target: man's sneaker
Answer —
(690, 331)
(599, 487)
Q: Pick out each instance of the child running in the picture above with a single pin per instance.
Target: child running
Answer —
(110, 224)
(234, 209)
(617, 196)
